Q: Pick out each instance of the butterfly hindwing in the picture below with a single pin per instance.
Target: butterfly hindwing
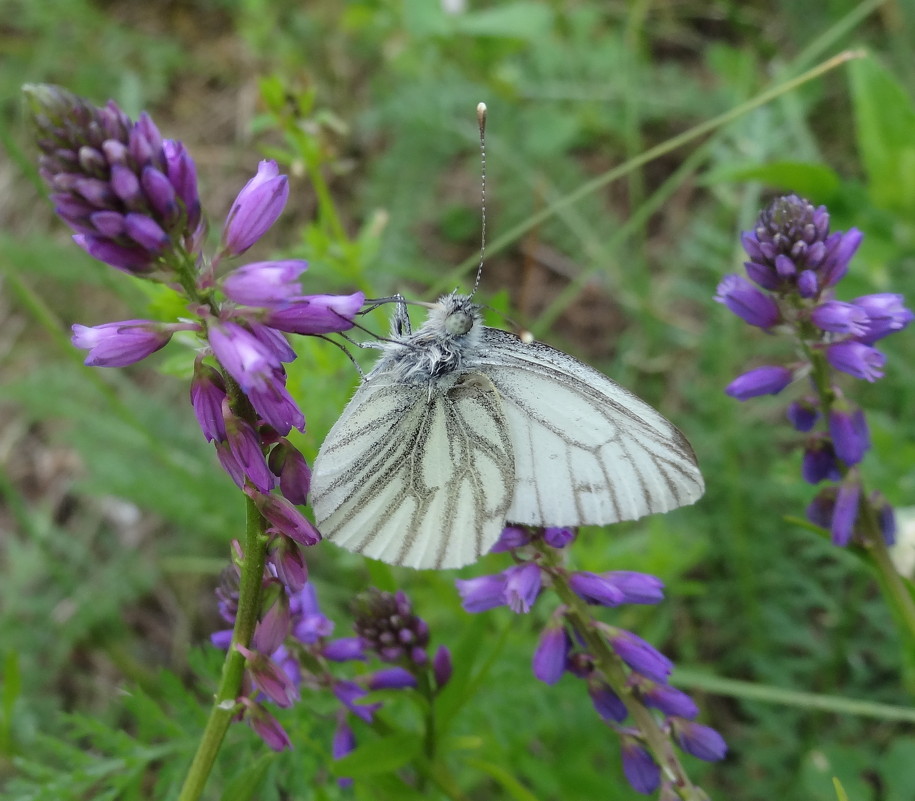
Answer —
(417, 475)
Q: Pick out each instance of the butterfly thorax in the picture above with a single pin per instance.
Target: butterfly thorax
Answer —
(450, 335)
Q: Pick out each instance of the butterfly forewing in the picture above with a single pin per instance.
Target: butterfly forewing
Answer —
(587, 450)
(417, 474)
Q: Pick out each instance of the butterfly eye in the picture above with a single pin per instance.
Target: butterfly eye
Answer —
(458, 322)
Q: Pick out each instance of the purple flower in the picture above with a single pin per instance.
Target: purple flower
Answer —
(886, 315)
(854, 358)
(208, 392)
(122, 343)
(819, 462)
(522, 586)
(248, 360)
(639, 767)
(637, 588)
(266, 726)
(274, 625)
(388, 626)
(348, 693)
(511, 537)
(596, 589)
(821, 508)
(803, 415)
(558, 536)
(266, 283)
(244, 445)
(700, 741)
(607, 703)
(316, 314)
(840, 318)
(276, 406)
(670, 701)
(182, 175)
(846, 511)
(344, 649)
(394, 678)
(441, 666)
(270, 678)
(641, 656)
(127, 258)
(286, 518)
(761, 381)
(549, 662)
(287, 462)
(886, 518)
(481, 593)
(840, 247)
(850, 435)
(747, 302)
(255, 209)
(344, 740)
(288, 562)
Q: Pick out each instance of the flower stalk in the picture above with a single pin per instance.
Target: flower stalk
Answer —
(225, 705)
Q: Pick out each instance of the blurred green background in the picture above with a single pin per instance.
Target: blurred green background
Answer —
(115, 517)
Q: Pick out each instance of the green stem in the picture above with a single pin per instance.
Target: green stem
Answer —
(224, 703)
(613, 670)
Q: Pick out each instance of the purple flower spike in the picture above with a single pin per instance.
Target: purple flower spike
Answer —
(860, 361)
(316, 314)
(558, 537)
(481, 593)
(441, 666)
(596, 589)
(285, 517)
(886, 315)
(641, 656)
(265, 283)
(639, 767)
(846, 511)
(747, 302)
(850, 435)
(208, 391)
(700, 741)
(761, 381)
(552, 651)
(840, 318)
(255, 209)
(511, 537)
(670, 701)
(122, 343)
(394, 678)
(522, 586)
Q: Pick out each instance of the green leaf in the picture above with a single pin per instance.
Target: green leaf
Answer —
(516, 21)
(505, 779)
(815, 181)
(885, 127)
(379, 756)
(247, 784)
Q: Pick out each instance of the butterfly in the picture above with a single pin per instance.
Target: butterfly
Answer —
(461, 428)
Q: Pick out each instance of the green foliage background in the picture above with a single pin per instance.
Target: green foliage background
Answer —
(116, 519)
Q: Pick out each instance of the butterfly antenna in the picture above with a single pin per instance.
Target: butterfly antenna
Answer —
(481, 121)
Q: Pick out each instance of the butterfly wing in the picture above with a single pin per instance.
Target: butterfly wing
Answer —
(416, 475)
(587, 451)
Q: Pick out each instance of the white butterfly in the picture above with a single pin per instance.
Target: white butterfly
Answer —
(460, 428)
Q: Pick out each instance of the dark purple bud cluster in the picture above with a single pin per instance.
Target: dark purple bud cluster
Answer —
(561, 649)
(796, 264)
(293, 648)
